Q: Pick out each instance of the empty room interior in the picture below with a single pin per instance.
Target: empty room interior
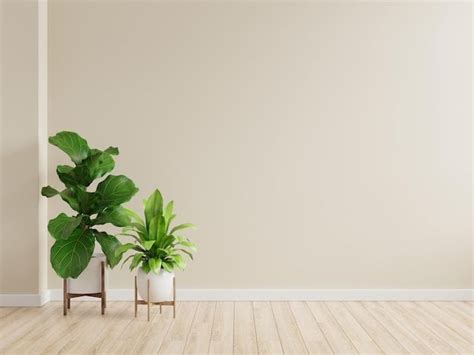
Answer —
(236, 177)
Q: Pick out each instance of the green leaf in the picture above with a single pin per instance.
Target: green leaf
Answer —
(99, 163)
(182, 226)
(112, 151)
(115, 215)
(137, 258)
(89, 202)
(115, 190)
(70, 257)
(187, 253)
(134, 216)
(71, 177)
(109, 245)
(168, 214)
(178, 259)
(72, 144)
(69, 196)
(126, 259)
(49, 191)
(167, 266)
(157, 228)
(155, 265)
(153, 206)
(62, 226)
(148, 244)
(186, 243)
(124, 248)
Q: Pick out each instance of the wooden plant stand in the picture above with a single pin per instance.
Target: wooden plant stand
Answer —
(102, 294)
(148, 303)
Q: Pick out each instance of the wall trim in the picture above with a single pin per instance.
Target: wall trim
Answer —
(37, 300)
(24, 299)
(299, 294)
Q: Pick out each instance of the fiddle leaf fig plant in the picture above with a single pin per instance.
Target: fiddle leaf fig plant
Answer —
(75, 236)
(156, 244)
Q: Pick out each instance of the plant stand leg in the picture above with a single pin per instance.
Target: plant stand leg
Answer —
(148, 297)
(174, 297)
(68, 303)
(65, 297)
(160, 309)
(136, 305)
(102, 286)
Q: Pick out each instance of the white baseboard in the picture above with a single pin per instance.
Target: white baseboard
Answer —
(298, 295)
(37, 300)
(24, 299)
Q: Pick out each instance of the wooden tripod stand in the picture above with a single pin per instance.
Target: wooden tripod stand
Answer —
(102, 294)
(148, 303)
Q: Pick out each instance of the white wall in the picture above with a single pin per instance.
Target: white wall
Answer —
(316, 145)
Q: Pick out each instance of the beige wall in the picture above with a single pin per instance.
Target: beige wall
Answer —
(315, 145)
(20, 243)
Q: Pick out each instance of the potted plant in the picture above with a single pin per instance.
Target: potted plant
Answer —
(159, 250)
(75, 236)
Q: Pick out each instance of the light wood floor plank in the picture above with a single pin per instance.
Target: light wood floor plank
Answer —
(291, 340)
(452, 322)
(7, 312)
(157, 329)
(377, 332)
(136, 330)
(443, 331)
(222, 337)
(27, 320)
(245, 339)
(456, 313)
(397, 329)
(175, 340)
(313, 337)
(358, 336)
(465, 307)
(436, 343)
(61, 330)
(95, 326)
(268, 339)
(335, 335)
(200, 334)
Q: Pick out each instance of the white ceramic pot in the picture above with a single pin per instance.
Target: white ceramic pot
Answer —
(161, 285)
(89, 280)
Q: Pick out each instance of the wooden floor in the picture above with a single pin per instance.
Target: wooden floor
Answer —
(242, 327)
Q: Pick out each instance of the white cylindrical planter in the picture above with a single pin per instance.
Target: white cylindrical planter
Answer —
(89, 280)
(161, 285)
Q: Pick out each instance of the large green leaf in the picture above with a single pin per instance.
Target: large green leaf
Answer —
(70, 257)
(89, 202)
(99, 163)
(153, 206)
(72, 177)
(115, 190)
(49, 191)
(62, 226)
(69, 196)
(109, 245)
(117, 215)
(72, 144)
